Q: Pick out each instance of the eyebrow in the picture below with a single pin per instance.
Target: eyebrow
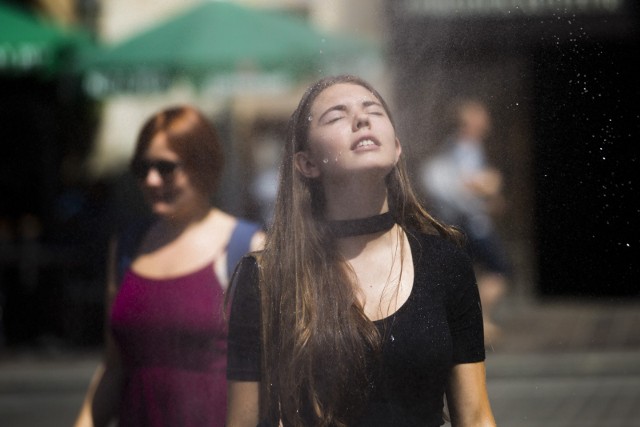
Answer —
(342, 107)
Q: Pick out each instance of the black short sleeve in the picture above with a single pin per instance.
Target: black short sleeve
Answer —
(465, 313)
(243, 344)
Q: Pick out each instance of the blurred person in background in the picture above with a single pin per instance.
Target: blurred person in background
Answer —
(264, 186)
(165, 358)
(464, 190)
(362, 309)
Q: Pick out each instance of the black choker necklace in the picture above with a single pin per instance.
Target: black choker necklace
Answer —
(361, 226)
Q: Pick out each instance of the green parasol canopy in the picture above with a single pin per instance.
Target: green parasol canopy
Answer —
(217, 38)
(32, 45)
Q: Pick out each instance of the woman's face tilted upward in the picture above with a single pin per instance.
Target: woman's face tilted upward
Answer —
(350, 133)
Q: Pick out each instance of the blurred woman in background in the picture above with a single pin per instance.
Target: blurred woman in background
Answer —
(166, 345)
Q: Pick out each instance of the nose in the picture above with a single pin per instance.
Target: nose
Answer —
(360, 120)
(153, 178)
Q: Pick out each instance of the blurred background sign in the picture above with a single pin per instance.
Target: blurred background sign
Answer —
(220, 44)
(32, 45)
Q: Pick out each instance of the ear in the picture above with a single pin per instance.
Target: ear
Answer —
(305, 165)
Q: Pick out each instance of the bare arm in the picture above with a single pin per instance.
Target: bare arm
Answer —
(243, 405)
(100, 405)
(487, 183)
(257, 241)
(467, 397)
(488, 186)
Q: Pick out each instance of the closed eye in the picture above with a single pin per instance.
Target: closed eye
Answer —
(375, 109)
(333, 118)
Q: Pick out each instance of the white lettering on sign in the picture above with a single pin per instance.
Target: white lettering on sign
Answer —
(23, 57)
(501, 7)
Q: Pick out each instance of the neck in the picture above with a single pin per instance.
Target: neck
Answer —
(358, 197)
(182, 222)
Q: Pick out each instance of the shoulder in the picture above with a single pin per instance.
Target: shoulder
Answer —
(235, 224)
(249, 231)
(249, 262)
(435, 246)
(442, 261)
(221, 220)
(247, 234)
(244, 289)
(246, 276)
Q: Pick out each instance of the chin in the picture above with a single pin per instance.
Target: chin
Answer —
(161, 209)
(381, 169)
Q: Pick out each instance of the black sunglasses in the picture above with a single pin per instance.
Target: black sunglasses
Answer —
(165, 168)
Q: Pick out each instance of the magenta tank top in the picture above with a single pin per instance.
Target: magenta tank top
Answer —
(172, 337)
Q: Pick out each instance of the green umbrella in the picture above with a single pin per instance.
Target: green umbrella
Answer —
(216, 38)
(32, 45)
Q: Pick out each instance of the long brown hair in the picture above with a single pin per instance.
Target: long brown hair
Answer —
(317, 341)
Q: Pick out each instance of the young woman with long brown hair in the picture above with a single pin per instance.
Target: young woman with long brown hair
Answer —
(362, 309)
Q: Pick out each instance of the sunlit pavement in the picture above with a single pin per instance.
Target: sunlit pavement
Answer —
(569, 390)
(557, 365)
(565, 363)
(43, 390)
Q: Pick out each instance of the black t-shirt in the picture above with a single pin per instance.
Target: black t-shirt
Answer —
(440, 325)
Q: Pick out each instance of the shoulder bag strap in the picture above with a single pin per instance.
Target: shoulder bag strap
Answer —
(240, 242)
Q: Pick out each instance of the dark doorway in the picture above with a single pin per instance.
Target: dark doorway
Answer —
(586, 163)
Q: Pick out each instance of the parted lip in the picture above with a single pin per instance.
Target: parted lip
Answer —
(365, 138)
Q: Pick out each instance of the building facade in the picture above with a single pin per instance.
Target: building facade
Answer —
(558, 78)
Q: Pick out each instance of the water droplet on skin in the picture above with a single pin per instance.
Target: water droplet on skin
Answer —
(325, 160)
